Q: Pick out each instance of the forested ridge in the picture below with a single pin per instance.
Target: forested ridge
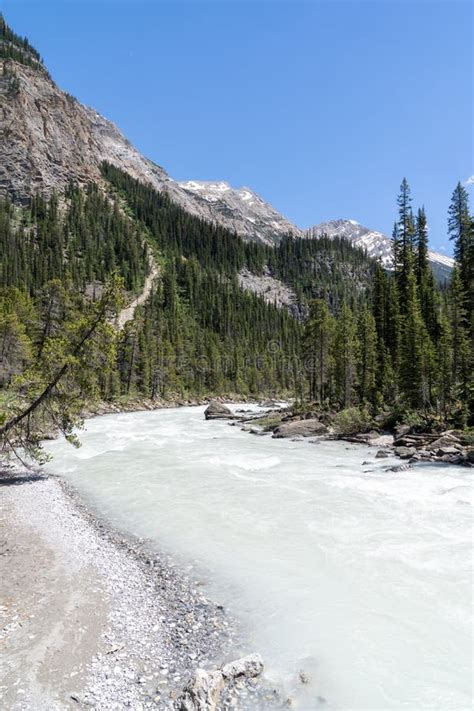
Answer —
(372, 340)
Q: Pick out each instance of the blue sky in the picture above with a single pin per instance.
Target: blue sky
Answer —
(321, 107)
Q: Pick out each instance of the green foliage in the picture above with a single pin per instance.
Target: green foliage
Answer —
(411, 348)
(371, 340)
(352, 420)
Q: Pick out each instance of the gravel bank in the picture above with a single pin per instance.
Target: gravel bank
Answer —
(91, 619)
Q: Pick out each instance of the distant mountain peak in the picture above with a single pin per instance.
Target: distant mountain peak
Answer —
(376, 244)
(243, 210)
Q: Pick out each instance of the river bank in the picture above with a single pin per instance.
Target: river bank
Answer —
(93, 619)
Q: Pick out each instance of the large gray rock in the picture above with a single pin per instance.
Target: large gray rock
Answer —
(217, 411)
(405, 452)
(446, 440)
(249, 666)
(300, 428)
(203, 691)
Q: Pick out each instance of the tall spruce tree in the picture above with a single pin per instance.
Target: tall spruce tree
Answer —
(317, 349)
(424, 277)
(404, 242)
(346, 356)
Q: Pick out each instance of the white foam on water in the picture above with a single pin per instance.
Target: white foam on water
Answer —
(360, 577)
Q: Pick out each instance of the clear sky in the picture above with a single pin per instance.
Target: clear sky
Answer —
(320, 106)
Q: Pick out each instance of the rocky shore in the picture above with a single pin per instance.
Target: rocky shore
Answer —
(404, 441)
(91, 619)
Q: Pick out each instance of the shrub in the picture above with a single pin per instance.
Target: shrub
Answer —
(352, 420)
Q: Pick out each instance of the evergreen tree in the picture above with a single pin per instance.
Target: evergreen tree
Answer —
(346, 354)
(404, 242)
(367, 356)
(461, 231)
(424, 277)
(318, 342)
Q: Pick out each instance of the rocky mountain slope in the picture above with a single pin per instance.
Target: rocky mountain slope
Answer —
(375, 243)
(49, 138)
(245, 211)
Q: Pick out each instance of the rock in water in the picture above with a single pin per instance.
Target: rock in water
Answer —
(249, 666)
(444, 442)
(300, 428)
(405, 452)
(202, 692)
(217, 411)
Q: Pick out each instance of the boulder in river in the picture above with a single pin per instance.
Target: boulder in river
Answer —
(400, 468)
(217, 411)
(203, 691)
(444, 442)
(300, 428)
(249, 666)
(405, 452)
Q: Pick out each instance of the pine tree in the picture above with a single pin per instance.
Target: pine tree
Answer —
(346, 356)
(413, 361)
(367, 356)
(317, 349)
(459, 230)
(404, 242)
(461, 342)
(424, 278)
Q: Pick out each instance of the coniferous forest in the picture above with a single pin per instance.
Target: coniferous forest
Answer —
(364, 340)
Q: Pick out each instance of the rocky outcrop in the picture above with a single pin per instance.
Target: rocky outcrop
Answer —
(203, 691)
(271, 289)
(218, 411)
(300, 428)
(447, 447)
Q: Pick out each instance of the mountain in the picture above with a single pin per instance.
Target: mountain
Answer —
(376, 244)
(49, 138)
(244, 211)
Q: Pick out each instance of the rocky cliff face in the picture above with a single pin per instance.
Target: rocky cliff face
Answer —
(49, 138)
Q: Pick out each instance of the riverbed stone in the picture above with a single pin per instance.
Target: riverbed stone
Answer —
(400, 468)
(249, 666)
(444, 442)
(202, 691)
(405, 452)
(218, 411)
(300, 428)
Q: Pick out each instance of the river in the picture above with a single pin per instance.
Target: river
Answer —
(359, 578)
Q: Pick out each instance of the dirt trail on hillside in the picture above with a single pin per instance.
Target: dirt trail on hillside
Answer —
(128, 312)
